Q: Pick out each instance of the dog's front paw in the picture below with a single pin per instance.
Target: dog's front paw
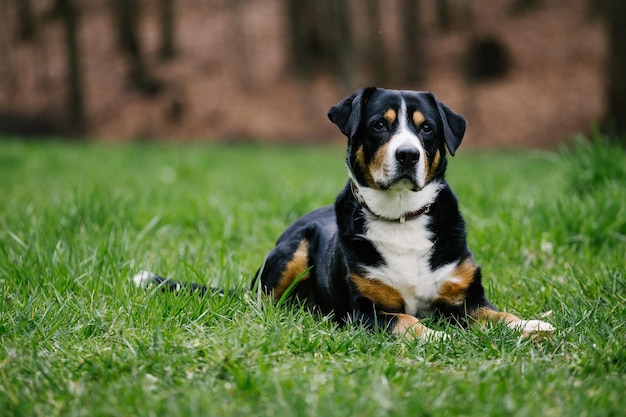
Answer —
(143, 279)
(531, 328)
(409, 327)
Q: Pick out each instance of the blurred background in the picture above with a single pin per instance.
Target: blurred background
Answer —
(526, 73)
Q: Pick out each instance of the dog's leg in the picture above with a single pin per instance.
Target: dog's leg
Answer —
(407, 326)
(379, 305)
(285, 268)
(527, 327)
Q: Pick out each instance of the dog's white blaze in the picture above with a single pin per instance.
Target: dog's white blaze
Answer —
(406, 248)
(403, 136)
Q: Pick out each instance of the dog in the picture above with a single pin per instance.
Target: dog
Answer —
(392, 249)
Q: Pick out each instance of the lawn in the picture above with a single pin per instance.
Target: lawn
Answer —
(76, 339)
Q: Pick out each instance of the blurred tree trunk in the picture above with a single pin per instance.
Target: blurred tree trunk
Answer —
(443, 15)
(616, 94)
(524, 6)
(320, 36)
(167, 50)
(126, 15)
(302, 36)
(68, 13)
(377, 54)
(341, 45)
(596, 8)
(411, 32)
(8, 77)
(26, 27)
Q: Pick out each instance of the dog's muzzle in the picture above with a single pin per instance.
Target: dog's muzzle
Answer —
(405, 172)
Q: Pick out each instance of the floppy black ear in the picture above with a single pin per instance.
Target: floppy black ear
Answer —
(453, 127)
(347, 113)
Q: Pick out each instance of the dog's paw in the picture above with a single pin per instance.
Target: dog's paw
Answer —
(143, 279)
(530, 328)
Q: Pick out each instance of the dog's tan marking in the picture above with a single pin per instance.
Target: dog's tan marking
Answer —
(529, 328)
(418, 118)
(407, 325)
(488, 315)
(410, 327)
(360, 160)
(390, 115)
(376, 167)
(296, 266)
(383, 296)
(432, 167)
(453, 292)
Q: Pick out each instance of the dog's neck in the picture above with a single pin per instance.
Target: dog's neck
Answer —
(395, 205)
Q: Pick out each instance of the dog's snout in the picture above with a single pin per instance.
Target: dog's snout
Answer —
(407, 156)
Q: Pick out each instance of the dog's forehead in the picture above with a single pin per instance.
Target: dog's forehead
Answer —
(388, 103)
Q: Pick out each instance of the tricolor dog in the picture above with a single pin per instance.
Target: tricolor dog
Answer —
(393, 247)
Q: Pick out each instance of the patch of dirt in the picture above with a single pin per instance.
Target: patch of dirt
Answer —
(225, 86)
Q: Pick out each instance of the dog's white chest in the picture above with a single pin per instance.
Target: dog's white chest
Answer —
(406, 249)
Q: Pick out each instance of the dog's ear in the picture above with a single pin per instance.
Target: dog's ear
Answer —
(347, 113)
(453, 127)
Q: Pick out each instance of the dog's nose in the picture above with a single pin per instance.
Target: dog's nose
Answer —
(407, 156)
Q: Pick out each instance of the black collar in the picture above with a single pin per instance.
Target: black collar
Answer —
(412, 215)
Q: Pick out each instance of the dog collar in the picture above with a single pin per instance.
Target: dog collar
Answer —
(411, 215)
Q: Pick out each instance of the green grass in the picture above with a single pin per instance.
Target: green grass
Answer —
(76, 339)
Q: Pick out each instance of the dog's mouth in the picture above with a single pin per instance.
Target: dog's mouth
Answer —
(387, 178)
(403, 182)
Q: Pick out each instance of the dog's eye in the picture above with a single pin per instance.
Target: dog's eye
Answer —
(426, 127)
(379, 125)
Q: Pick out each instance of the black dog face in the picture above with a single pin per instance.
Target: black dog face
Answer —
(397, 139)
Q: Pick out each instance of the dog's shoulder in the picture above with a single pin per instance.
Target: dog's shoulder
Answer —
(449, 227)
